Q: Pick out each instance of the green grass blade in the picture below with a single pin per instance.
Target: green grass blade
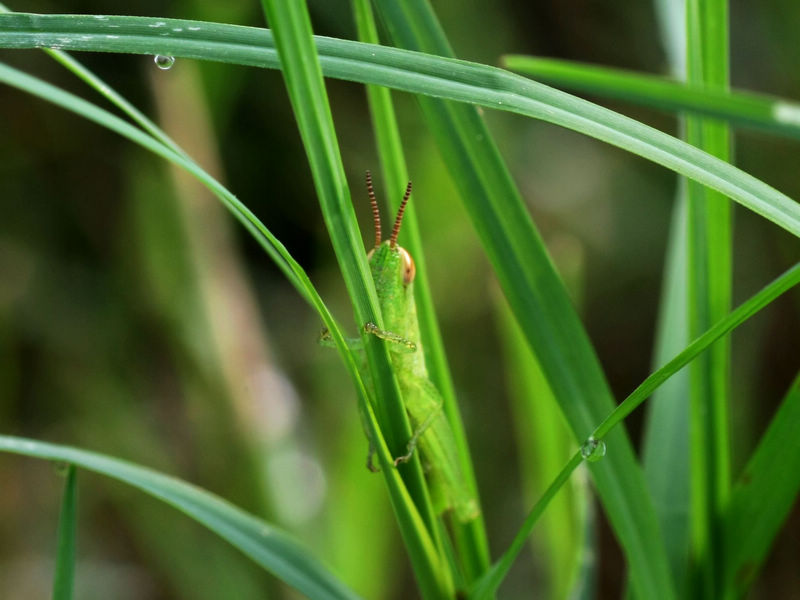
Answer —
(543, 442)
(488, 584)
(710, 286)
(667, 420)
(539, 301)
(492, 579)
(268, 546)
(754, 517)
(775, 115)
(470, 538)
(408, 71)
(732, 320)
(667, 424)
(303, 77)
(64, 579)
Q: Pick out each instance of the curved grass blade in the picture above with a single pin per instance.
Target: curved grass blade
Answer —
(404, 70)
(470, 538)
(754, 517)
(268, 546)
(735, 318)
(274, 248)
(775, 115)
(782, 436)
(64, 579)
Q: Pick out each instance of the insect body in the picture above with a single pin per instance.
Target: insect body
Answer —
(393, 273)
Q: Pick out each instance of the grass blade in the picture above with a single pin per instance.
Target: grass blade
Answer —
(775, 115)
(414, 72)
(268, 546)
(710, 286)
(303, 77)
(470, 537)
(64, 579)
(492, 579)
(543, 441)
(754, 518)
(667, 424)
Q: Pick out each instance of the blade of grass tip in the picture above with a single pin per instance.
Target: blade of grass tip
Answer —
(489, 583)
(303, 77)
(755, 517)
(414, 72)
(538, 300)
(710, 286)
(775, 115)
(470, 537)
(64, 578)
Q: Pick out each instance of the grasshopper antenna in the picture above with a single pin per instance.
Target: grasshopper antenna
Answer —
(376, 215)
(399, 219)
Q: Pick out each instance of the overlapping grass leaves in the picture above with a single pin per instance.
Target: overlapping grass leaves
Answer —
(404, 70)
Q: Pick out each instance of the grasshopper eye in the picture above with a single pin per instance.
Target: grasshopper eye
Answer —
(409, 270)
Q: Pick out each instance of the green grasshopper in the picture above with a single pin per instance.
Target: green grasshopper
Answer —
(393, 273)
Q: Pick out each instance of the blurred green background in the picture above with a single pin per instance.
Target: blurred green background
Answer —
(137, 320)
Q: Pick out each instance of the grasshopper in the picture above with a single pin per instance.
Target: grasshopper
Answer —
(393, 272)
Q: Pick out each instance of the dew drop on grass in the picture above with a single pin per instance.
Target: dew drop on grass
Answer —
(164, 62)
(60, 467)
(593, 449)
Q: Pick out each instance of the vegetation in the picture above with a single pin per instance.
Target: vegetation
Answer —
(136, 321)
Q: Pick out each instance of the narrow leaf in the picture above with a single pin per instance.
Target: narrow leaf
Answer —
(64, 579)
(776, 115)
(267, 545)
(494, 577)
(755, 517)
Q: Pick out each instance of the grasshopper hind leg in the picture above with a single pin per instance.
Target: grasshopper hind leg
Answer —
(434, 413)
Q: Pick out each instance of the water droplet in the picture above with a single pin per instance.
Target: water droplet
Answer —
(61, 467)
(164, 62)
(593, 449)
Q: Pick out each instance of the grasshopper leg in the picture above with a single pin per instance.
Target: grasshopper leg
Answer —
(423, 427)
(389, 336)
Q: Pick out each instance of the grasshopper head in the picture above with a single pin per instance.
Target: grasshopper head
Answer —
(388, 255)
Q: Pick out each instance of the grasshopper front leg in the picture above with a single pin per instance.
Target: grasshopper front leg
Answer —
(405, 345)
